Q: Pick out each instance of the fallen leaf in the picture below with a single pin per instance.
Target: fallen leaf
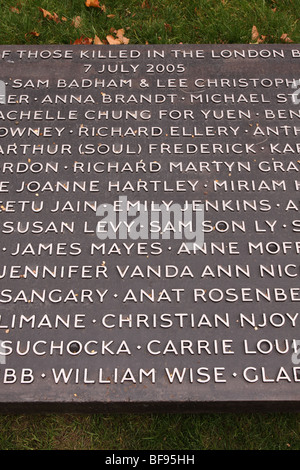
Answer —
(87, 40)
(119, 39)
(256, 38)
(14, 9)
(45, 12)
(92, 3)
(120, 32)
(111, 16)
(168, 27)
(32, 33)
(56, 18)
(63, 18)
(112, 40)
(83, 40)
(285, 38)
(120, 35)
(48, 15)
(95, 4)
(145, 4)
(97, 40)
(254, 33)
(76, 22)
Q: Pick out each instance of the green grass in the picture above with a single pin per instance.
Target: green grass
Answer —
(151, 432)
(153, 22)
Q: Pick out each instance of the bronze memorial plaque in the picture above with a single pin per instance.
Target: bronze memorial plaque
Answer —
(150, 225)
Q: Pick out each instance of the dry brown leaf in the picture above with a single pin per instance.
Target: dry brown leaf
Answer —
(45, 12)
(83, 40)
(256, 38)
(145, 4)
(254, 33)
(97, 40)
(48, 15)
(125, 40)
(76, 22)
(120, 35)
(95, 4)
(112, 40)
(285, 38)
(56, 18)
(87, 41)
(14, 9)
(168, 27)
(63, 18)
(32, 33)
(92, 3)
(119, 39)
(111, 16)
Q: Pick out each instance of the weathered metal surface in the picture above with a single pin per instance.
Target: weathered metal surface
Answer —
(193, 312)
